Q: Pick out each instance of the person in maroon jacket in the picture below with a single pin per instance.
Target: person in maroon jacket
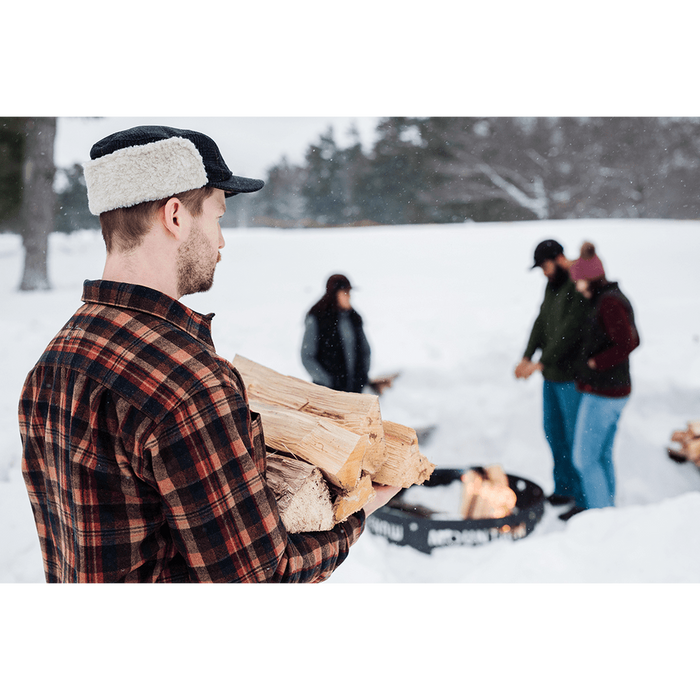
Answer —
(602, 378)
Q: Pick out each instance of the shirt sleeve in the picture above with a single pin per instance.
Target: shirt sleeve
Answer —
(535, 341)
(220, 512)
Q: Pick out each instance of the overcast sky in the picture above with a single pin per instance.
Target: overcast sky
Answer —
(249, 145)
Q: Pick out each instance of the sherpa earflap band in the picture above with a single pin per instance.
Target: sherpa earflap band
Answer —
(144, 173)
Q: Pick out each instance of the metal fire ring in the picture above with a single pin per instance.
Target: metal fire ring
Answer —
(406, 524)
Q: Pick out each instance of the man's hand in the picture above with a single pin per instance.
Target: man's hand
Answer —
(383, 495)
(525, 368)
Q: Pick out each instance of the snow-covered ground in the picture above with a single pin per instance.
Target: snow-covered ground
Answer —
(450, 308)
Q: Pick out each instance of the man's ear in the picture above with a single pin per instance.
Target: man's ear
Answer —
(173, 214)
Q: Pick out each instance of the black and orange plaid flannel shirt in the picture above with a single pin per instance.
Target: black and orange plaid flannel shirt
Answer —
(143, 461)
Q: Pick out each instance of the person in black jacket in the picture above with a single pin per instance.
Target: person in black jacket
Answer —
(335, 351)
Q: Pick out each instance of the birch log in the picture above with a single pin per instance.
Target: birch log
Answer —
(305, 500)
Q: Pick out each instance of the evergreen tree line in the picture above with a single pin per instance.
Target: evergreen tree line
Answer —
(454, 169)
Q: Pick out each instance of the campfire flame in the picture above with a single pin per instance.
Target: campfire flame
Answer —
(486, 493)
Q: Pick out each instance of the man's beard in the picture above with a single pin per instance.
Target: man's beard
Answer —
(559, 277)
(195, 272)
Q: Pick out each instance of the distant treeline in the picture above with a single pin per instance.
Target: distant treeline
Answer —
(455, 169)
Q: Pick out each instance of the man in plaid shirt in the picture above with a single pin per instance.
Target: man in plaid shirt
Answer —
(142, 459)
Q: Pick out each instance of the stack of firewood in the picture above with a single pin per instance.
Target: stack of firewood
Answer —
(326, 447)
(689, 444)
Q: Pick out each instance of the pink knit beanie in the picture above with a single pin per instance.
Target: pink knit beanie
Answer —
(588, 267)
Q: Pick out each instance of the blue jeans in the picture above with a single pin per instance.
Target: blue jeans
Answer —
(596, 427)
(560, 402)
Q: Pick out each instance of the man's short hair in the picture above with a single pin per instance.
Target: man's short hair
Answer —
(123, 229)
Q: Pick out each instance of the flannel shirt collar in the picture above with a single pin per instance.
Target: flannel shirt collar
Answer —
(150, 301)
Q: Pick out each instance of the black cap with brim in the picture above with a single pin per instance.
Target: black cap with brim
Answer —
(238, 185)
(547, 250)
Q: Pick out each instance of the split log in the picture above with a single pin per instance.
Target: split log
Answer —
(347, 503)
(358, 413)
(305, 500)
(302, 494)
(339, 435)
(337, 452)
(404, 465)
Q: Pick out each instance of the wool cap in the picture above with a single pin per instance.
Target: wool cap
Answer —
(147, 163)
(589, 266)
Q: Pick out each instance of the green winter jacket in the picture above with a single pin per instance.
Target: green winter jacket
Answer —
(557, 330)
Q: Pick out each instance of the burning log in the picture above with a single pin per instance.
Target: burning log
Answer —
(486, 494)
(336, 435)
(689, 442)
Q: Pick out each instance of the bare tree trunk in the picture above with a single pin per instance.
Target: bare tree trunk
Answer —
(38, 200)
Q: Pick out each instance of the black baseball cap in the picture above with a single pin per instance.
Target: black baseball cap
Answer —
(547, 250)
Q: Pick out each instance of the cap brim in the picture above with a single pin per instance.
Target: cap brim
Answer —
(238, 185)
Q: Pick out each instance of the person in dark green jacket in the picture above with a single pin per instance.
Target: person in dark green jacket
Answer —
(556, 333)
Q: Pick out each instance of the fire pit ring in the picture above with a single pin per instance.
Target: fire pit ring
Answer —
(405, 525)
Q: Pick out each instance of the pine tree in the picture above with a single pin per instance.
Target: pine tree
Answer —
(323, 187)
(388, 185)
(281, 200)
(72, 213)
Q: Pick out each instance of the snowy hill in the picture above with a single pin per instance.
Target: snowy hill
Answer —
(450, 307)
